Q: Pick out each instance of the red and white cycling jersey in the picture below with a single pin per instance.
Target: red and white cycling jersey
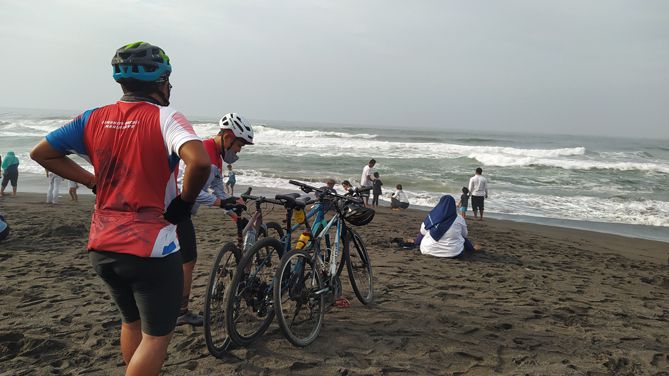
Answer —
(133, 147)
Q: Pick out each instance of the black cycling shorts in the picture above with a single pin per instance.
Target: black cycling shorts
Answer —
(186, 235)
(144, 288)
(477, 202)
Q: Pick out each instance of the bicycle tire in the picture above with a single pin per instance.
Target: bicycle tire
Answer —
(215, 332)
(274, 230)
(296, 282)
(359, 268)
(249, 295)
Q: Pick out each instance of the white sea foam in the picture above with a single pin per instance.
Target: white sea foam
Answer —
(569, 164)
(515, 193)
(596, 209)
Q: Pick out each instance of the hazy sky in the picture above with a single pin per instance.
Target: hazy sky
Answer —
(543, 66)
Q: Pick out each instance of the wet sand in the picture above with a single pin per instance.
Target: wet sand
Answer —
(538, 300)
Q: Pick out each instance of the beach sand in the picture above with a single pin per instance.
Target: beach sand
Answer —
(539, 300)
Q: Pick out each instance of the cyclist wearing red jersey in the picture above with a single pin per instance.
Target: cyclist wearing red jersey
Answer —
(134, 146)
(234, 134)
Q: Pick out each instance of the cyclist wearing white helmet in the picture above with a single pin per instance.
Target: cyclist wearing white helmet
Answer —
(234, 134)
(242, 133)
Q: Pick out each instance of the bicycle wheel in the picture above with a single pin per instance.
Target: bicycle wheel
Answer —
(359, 268)
(298, 300)
(215, 332)
(248, 301)
(274, 230)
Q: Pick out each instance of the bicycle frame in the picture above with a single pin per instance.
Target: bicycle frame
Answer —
(335, 250)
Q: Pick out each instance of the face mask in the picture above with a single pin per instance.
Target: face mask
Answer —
(230, 156)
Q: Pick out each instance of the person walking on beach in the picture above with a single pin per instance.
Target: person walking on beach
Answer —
(376, 189)
(73, 185)
(478, 191)
(54, 187)
(134, 146)
(399, 199)
(10, 172)
(232, 180)
(234, 134)
(366, 180)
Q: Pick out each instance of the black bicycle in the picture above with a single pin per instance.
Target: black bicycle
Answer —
(224, 267)
(248, 301)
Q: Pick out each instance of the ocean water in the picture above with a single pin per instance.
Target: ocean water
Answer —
(531, 176)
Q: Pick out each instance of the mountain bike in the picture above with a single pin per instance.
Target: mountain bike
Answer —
(248, 301)
(307, 281)
(224, 267)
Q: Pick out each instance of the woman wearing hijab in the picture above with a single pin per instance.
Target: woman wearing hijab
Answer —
(444, 231)
(10, 172)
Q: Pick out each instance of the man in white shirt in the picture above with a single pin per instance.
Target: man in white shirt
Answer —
(478, 190)
(366, 180)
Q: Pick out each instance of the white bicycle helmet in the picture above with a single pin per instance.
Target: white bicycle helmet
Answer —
(238, 126)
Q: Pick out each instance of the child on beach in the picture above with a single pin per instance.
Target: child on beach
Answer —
(73, 191)
(464, 200)
(399, 199)
(230, 184)
(376, 189)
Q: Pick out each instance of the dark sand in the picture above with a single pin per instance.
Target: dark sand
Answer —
(539, 300)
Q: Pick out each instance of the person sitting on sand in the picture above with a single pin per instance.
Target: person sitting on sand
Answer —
(329, 185)
(445, 232)
(399, 199)
(347, 187)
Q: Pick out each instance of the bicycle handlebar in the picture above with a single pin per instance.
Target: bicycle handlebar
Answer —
(261, 199)
(306, 188)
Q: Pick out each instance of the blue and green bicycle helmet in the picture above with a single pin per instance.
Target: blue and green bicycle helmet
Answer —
(141, 61)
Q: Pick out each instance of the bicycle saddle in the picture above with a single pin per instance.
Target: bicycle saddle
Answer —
(293, 200)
